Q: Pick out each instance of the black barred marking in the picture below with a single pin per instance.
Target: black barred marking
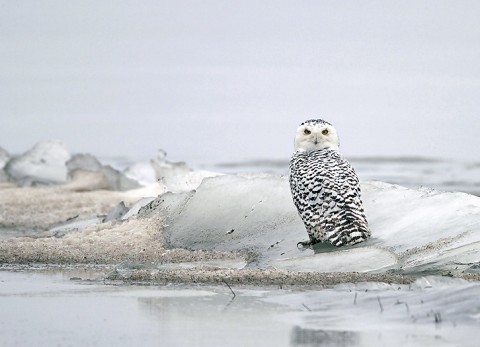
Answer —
(326, 192)
(315, 122)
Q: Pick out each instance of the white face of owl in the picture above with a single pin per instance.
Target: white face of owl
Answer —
(315, 135)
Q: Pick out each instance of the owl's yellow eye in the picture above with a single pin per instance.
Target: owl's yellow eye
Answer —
(307, 132)
(324, 131)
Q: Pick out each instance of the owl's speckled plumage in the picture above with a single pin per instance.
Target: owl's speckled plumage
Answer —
(325, 187)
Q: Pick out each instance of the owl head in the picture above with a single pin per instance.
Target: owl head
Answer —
(316, 134)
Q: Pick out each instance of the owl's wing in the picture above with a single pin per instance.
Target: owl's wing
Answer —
(344, 219)
(326, 192)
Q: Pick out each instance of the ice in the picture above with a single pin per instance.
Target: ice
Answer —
(258, 210)
(116, 213)
(87, 173)
(49, 162)
(188, 181)
(412, 230)
(85, 162)
(78, 224)
(74, 225)
(142, 172)
(174, 177)
(425, 228)
(430, 312)
(444, 311)
(356, 260)
(133, 211)
(4, 158)
(43, 164)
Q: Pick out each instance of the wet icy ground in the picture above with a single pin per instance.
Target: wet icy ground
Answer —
(171, 227)
(76, 308)
(155, 214)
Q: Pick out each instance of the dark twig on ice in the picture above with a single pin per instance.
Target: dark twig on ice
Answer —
(234, 295)
(438, 318)
(308, 308)
(355, 299)
(380, 304)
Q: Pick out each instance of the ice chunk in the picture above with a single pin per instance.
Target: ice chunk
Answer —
(425, 228)
(85, 162)
(157, 169)
(187, 181)
(83, 181)
(412, 230)
(74, 225)
(4, 158)
(116, 213)
(142, 172)
(259, 210)
(43, 164)
(3, 176)
(175, 177)
(178, 177)
(136, 207)
(87, 173)
(117, 180)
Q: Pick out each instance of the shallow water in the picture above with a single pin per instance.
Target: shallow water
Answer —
(75, 308)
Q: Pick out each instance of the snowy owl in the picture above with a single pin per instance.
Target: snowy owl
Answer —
(325, 188)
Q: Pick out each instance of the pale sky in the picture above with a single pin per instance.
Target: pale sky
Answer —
(231, 80)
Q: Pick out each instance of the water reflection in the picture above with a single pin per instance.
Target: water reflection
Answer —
(202, 318)
(310, 337)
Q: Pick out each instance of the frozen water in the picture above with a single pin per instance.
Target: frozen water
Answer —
(49, 162)
(4, 158)
(133, 211)
(117, 180)
(87, 173)
(74, 226)
(233, 212)
(344, 260)
(431, 312)
(427, 229)
(43, 164)
(412, 230)
(174, 177)
(118, 212)
(186, 182)
(142, 172)
(434, 310)
(83, 162)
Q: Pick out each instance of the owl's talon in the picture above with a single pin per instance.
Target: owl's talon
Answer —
(304, 244)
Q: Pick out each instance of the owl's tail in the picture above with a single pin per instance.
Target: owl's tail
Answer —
(349, 233)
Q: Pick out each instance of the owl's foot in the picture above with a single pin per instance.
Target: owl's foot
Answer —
(304, 244)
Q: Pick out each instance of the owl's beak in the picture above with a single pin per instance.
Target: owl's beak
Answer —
(315, 141)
